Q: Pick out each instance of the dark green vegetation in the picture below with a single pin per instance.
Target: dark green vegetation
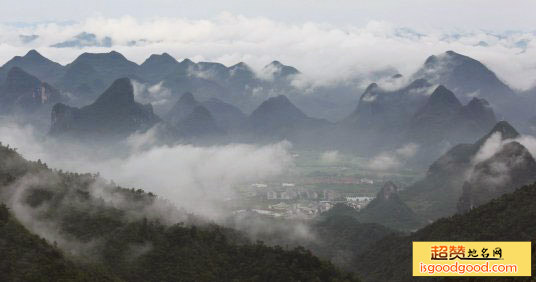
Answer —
(108, 233)
(336, 235)
(26, 257)
(511, 217)
(341, 236)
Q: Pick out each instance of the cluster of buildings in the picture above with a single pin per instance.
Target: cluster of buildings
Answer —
(288, 210)
(357, 202)
(341, 180)
(291, 200)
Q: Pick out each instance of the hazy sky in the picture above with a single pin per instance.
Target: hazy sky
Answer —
(488, 14)
(328, 41)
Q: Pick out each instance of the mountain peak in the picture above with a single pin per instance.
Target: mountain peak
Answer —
(478, 103)
(371, 87)
(388, 209)
(114, 53)
(119, 93)
(280, 70)
(276, 63)
(33, 54)
(198, 123)
(187, 62)
(443, 93)
(441, 101)
(240, 65)
(278, 103)
(431, 60)
(182, 108)
(507, 131)
(443, 96)
(241, 69)
(465, 74)
(479, 111)
(388, 190)
(277, 110)
(114, 114)
(514, 148)
(282, 99)
(159, 59)
(188, 98)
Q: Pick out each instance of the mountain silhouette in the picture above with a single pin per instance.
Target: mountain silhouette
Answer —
(389, 210)
(35, 64)
(113, 114)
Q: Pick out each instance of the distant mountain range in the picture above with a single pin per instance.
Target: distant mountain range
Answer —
(115, 113)
(418, 113)
(428, 110)
(36, 65)
(91, 73)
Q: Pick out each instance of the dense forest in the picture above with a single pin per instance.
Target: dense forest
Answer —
(92, 238)
(508, 218)
(336, 235)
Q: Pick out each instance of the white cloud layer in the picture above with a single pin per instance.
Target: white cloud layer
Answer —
(390, 160)
(325, 53)
(199, 179)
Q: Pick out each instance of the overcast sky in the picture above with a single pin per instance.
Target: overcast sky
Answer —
(488, 14)
(327, 40)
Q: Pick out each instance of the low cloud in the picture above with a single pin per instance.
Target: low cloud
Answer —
(330, 157)
(492, 145)
(495, 143)
(84, 39)
(393, 159)
(198, 179)
(499, 171)
(155, 94)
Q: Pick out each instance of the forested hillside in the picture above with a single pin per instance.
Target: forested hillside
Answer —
(104, 232)
(508, 218)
